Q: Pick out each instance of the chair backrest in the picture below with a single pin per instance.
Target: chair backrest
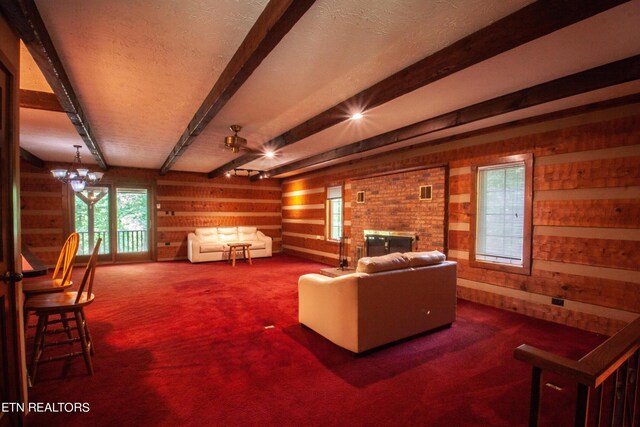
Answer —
(66, 258)
(87, 279)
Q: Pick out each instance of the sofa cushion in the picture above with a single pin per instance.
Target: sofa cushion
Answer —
(209, 234)
(256, 244)
(247, 234)
(377, 264)
(228, 234)
(419, 259)
(212, 247)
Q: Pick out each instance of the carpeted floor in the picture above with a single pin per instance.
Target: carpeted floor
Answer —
(192, 345)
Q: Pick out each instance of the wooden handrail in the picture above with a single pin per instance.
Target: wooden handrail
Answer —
(593, 368)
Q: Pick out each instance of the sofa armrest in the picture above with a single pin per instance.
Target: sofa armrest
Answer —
(267, 240)
(329, 306)
(193, 246)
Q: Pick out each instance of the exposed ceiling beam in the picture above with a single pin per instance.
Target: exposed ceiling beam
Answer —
(24, 18)
(40, 100)
(529, 23)
(277, 18)
(596, 78)
(31, 158)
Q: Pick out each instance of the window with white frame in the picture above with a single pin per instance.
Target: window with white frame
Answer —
(334, 212)
(501, 228)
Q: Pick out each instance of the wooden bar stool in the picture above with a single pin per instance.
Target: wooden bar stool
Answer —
(63, 303)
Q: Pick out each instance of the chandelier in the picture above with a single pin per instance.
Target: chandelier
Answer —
(78, 176)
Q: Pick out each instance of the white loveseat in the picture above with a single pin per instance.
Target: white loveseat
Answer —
(388, 298)
(210, 243)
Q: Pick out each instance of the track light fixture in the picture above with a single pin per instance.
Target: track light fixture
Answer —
(244, 172)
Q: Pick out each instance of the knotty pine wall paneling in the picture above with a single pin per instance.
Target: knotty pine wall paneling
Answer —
(304, 219)
(186, 200)
(42, 213)
(586, 205)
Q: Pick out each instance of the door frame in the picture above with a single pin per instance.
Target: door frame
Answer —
(13, 386)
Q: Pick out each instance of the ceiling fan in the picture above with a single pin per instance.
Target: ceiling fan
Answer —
(236, 143)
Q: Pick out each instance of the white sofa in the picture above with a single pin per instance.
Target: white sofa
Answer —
(388, 298)
(210, 243)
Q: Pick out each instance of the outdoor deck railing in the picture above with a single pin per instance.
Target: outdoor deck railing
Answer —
(128, 241)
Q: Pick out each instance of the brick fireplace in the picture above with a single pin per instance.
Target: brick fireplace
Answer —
(395, 204)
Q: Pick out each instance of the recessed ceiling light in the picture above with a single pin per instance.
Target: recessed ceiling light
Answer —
(227, 174)
(269, 154)
(356, 116)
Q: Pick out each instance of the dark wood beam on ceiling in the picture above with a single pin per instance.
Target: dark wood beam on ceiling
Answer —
(529, 23)
(596, 78)
(277, 18)
(24, 18)
(31, 158)
(40, 100)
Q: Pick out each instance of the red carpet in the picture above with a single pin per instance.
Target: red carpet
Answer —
(182, 344)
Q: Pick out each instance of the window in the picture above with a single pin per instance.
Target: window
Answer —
(501, 214)
(334, 213)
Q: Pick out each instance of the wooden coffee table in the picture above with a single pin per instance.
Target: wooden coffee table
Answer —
(234, 248)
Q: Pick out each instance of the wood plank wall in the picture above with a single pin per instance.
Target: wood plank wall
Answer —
(186, 200)
(586, 236)
(42, 215)
(304, 219)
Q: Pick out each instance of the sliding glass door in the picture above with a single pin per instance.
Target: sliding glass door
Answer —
(117, 214)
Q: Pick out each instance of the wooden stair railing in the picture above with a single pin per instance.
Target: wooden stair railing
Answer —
(616, 358)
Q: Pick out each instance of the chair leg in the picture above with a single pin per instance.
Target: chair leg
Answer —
(38, 345)
(65, 325)
(83, 340)
(87, 333)
(25, 319)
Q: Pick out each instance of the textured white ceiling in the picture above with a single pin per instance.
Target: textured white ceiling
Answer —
(605, 38)
(141, 68)
(337, 49)
(559, 105)
(51, 136)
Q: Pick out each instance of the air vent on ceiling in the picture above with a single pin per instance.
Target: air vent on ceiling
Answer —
(360, 197)
(425, 192)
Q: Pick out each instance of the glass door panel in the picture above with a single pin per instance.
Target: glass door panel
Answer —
(92, 219)
(133, 220)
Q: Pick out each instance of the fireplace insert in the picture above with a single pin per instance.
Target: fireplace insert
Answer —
(386, 242)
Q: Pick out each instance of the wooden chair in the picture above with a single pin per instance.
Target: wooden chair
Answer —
(63, 303)
(64, 268)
